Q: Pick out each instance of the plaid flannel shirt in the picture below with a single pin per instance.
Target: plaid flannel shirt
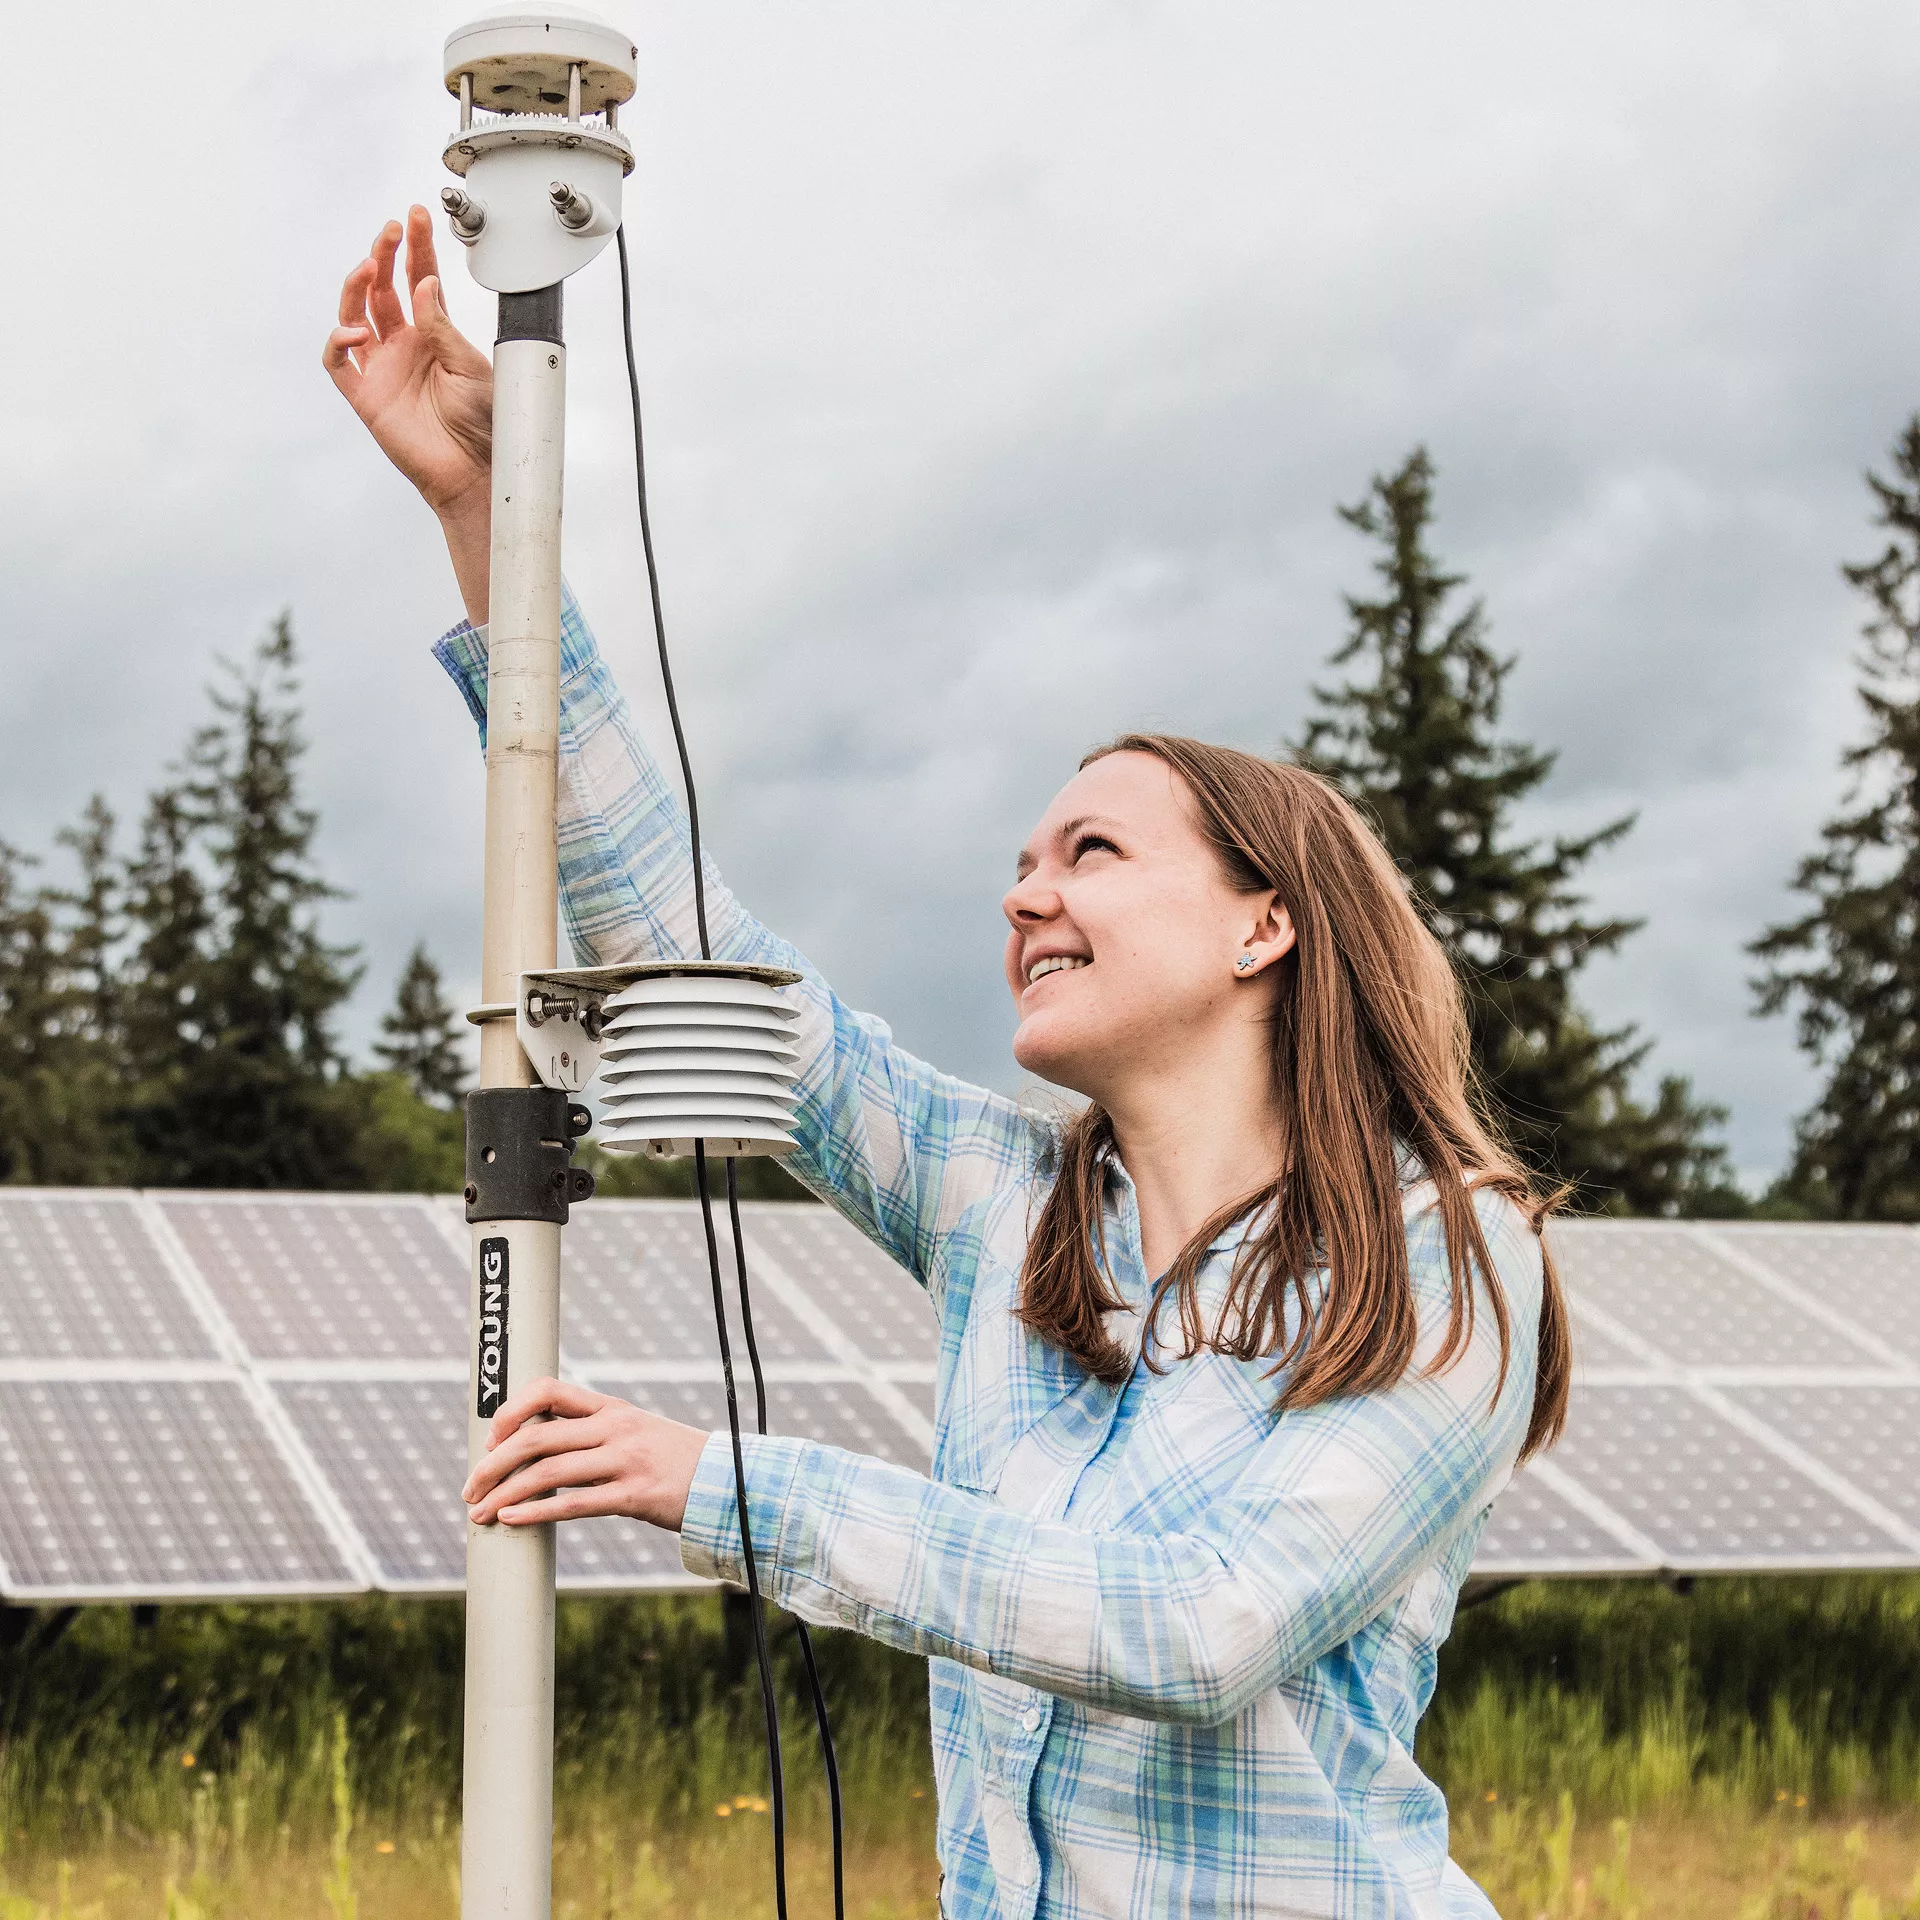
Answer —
(1177, 1647)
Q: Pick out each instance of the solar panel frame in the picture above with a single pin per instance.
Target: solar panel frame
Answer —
(181, 1424)
(1636, 1449)
(136, 1309)
(1874, 1290)
(1537, 1508)
(356, 1316)
(1664, 1288)
(1867, 1435)
(1816, 1425)
(636, 1292)
(794, 1245)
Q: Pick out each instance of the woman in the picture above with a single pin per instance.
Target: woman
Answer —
(1232, 1365)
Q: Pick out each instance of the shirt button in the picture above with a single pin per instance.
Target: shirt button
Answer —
(1031, 1719)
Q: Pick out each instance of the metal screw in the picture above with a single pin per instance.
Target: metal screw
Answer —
(571, 207)
(465, 212)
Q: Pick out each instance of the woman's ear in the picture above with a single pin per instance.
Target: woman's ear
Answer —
(1270, 937)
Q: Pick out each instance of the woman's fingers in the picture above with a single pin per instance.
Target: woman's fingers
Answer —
(337, 356)
(539, 1441)
(421, 263)
(383, 297)
(588, 1503)
(560, 1397)
(590, 1466)
(638, 1463)
(353, 295)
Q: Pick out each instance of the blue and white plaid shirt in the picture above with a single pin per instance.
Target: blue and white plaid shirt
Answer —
(1178, 1647)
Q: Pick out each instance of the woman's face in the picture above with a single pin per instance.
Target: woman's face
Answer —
(1125, 940)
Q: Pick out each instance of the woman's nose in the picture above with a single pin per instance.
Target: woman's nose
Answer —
(1027, 901)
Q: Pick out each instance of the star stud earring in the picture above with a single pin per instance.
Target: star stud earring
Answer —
(1244, 964)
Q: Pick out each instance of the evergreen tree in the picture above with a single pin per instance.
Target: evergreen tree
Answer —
(32, 1013)
(233, 990)
(423, 1041)
(1852, 961)
(59, 1047)
(1413, 739)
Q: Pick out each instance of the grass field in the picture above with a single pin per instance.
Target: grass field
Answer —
(1748, 1750)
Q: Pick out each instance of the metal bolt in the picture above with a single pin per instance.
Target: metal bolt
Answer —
(571, 207)
(465, 212)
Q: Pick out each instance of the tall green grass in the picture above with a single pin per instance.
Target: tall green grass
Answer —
(243, 1718)
(1636, 1699)
(227, 1730)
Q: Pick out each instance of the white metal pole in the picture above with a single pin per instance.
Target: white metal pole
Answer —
(506, 1844)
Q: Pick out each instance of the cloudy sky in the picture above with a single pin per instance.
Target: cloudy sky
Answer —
(1004, 364)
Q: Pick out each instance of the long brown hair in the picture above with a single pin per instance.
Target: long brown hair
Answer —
(1370, 1059)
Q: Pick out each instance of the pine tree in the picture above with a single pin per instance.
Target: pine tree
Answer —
(233, 990)
(33, 1010)
(423, 1042)
(1414, 740)
(1852, 962)
(60, 1059)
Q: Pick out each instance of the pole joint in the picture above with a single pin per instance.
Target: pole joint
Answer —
(520, 1143)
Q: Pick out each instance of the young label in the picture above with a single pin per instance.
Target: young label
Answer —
(490, 1369)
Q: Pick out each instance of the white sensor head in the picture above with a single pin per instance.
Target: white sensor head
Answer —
(521, 61)
(539, 150)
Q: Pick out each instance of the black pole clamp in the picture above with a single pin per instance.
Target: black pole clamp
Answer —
(520, 1144)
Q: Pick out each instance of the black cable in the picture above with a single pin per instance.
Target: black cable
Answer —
(762, 1657)
(829, 1759)
(653, 588)
(760, 1653)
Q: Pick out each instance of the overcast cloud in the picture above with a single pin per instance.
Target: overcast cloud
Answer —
(1004, 364)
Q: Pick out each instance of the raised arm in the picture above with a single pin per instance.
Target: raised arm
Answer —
(905, 1152)
(1336, 1515)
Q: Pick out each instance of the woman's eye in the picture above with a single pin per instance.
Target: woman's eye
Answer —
(1092, 843)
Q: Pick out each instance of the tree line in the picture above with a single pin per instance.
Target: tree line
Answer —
(168, 1016)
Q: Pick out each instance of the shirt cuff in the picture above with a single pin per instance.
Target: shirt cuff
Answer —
(462, 651)
(710, 1528)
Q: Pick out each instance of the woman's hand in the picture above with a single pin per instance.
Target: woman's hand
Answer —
(594, 1454)
(423, 389)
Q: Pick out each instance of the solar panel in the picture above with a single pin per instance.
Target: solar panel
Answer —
(881, 1308)
(394, 1453)
(84, 1280)
(153, 1490)
(1535, 1529)
(1595, 1346)
(327, 1277)
(1712, 1498)
(1665, 1284)
(637, 1289)
(1869, 1273)
(1870, 1435)
(1747, 1396)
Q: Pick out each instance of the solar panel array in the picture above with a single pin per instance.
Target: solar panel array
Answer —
(241, 1395)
